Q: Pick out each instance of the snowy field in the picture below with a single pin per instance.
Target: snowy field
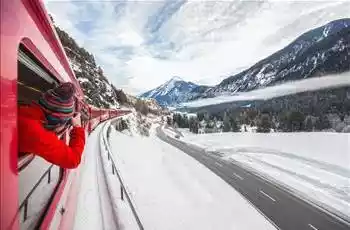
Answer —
(316, 165)
(171, 190)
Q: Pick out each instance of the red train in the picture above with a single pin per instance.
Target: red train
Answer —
(34, 193)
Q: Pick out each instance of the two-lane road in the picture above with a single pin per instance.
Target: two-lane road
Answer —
(283, 209)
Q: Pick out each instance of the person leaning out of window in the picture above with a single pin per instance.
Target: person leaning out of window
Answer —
(40, 123)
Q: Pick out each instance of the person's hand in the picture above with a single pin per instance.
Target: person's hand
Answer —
(76, 120)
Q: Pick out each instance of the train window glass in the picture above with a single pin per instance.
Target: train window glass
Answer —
(84, 116)
(38, 179)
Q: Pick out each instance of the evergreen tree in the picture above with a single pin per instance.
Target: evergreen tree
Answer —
(200, 116)
(121, 96)
(185, 121)
(234, 124)
(296, 121)
(141, 107)
(169, 121)
(308, 124)
(226, 123)
(194, 125)
(264, 125)
(322, 123)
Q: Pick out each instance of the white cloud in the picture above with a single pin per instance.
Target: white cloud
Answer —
(289, 88)
(142, 44)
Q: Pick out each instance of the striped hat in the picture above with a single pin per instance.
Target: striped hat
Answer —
(58, 105)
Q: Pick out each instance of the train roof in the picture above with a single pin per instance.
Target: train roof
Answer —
(49, 33)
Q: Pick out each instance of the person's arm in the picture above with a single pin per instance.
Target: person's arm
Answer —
(56, 151)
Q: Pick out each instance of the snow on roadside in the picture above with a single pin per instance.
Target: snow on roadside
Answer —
(170, 132)
(121, 211)
(330, 148)
(171, 190)
(313, 164)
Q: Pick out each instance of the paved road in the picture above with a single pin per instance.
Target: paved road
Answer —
(284, 210)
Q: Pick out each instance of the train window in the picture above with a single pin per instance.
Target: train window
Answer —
(38, 179)
(33, 79)
(84, 115)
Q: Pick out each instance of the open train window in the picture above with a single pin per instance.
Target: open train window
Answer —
(38, 179)
(33, 78)
(84, 115)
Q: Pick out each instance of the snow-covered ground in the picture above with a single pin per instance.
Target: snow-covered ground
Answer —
(172, 132)
(315, 165)
(171, 190)
(88, 215)
(99, 203)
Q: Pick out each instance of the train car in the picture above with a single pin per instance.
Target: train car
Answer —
(95, 117)
(32, 61)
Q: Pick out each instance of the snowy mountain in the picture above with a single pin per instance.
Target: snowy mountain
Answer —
(175, 91)
(320, 51)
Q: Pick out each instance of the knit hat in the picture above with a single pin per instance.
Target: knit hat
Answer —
(58, 104)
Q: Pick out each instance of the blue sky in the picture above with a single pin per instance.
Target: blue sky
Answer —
(141, 44)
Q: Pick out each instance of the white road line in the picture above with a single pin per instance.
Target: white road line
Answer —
(238, 176)
(217, 163)
(313, 227)
(267, 195)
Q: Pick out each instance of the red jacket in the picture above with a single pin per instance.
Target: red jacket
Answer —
(34, 138)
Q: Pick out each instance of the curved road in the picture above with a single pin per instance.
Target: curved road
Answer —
(283, 209)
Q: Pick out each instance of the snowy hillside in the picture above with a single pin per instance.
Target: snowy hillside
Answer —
(97, 89)
(320, 51)
(174, 91)
(153, 104)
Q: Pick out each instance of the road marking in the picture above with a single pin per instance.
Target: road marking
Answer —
(238, 176)
(313, 227)
(267, 195)
(217, 163)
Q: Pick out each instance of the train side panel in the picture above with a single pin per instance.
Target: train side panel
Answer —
(27, 23)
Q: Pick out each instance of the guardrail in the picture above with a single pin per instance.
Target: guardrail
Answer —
(123, 190)
(24, 161)
(24, 204)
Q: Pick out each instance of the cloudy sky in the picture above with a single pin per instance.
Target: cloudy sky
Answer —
(142, 44)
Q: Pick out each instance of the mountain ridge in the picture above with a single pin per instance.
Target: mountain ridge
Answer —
(320, 51)
(174, 91)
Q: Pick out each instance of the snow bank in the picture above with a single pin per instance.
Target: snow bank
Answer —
(99, 201)
(315, 165)
(329, 148)
(121, 209)
(171, 132)
(171, 190)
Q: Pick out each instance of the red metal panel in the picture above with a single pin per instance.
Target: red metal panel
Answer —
(8, 117)
(27, 22)
(38, 13)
